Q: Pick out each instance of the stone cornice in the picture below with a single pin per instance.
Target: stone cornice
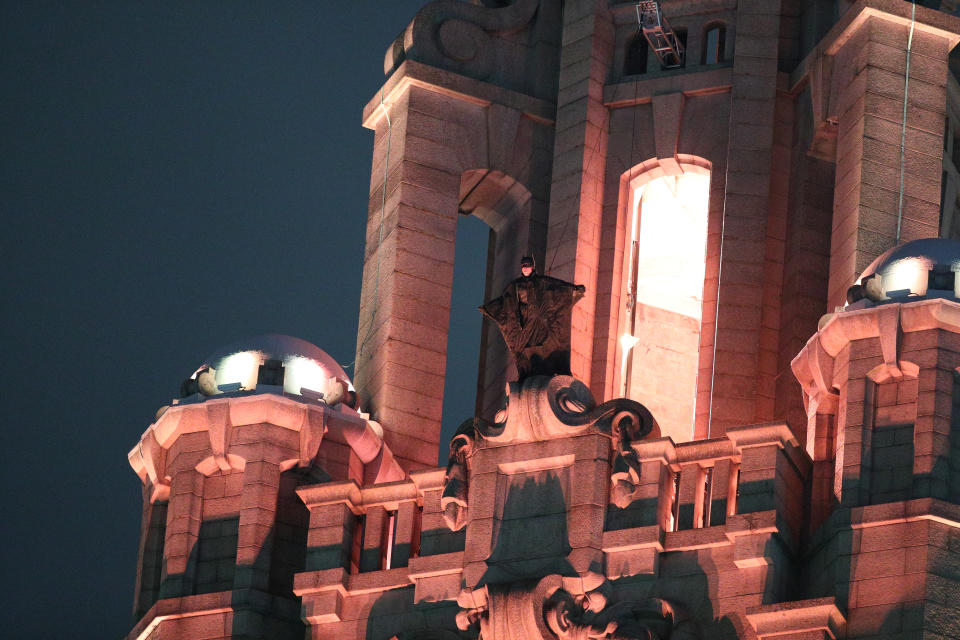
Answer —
(813, 366)
(417, 74)
(219, 417)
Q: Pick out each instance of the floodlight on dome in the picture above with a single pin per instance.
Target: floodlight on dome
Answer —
(241, 367)
(304, 373)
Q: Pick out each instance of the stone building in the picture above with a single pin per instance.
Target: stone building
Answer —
(757, 437)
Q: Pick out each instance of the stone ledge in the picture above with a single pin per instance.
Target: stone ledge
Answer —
(413, 73)
(640, 91)
(800, 616)
(440, 564)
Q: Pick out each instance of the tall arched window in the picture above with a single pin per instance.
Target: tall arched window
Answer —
(663, 296)
(635, 59)
(713, 42)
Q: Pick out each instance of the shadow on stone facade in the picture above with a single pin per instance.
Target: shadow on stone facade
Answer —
(530, 537)
(421, 620)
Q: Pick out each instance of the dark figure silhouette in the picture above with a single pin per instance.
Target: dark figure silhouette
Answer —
(533, 315)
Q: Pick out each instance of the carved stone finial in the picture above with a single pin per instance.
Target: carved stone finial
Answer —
(453, 500)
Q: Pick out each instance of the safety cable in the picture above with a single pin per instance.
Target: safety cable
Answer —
(903, 128)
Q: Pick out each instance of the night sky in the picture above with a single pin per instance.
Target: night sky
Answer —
(174, 176)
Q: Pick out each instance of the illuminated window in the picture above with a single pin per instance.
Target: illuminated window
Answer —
(663, 297)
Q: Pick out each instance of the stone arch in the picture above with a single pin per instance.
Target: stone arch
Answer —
(427, 141)
(636, 322)
(508, 207)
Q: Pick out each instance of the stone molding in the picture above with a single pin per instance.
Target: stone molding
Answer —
(785, 619)
(813, 366)
(540, 409)
(219, 418)
(816, 70)
(416, 74)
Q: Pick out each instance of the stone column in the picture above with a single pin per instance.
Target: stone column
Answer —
(867, 102)
(408, 272)
(579, 161)
(744, 269)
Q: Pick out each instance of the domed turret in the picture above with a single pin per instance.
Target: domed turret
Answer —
(914, 270)
(272, 363)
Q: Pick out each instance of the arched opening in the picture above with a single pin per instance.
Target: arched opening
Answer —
(713, 43)
(463, 338)
(662, 295)
(493, 233)
(635, 57)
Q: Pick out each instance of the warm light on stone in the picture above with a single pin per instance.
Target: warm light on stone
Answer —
(736, 455)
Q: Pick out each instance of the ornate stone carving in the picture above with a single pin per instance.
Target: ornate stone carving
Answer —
(544, 408)
(453, 500)
(568, 608)
(459, 36)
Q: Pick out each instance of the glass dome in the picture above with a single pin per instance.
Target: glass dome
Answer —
(271, 361)
(919, 269)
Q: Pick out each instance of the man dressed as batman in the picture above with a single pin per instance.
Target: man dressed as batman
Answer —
(533, 315)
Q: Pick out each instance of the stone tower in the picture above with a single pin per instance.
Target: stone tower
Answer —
(719, 174)
(778, 136)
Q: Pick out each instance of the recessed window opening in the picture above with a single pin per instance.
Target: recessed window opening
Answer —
(463, 339)
(714, 39)
(707, 497)
(674, 523)
(665, 269)
(391, 535)
(635, 60)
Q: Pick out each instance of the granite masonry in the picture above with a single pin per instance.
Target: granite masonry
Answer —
(760, 435)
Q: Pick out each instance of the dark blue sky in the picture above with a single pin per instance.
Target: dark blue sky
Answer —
(174, 176)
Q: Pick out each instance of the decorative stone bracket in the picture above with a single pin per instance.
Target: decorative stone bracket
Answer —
(545, 408)
(220, 417)
(458, 36)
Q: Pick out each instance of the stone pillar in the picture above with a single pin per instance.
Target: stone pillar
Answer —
(183, 529)
(744, 269)
(408, 273)
(580, 150)
(867, 102)
(258, 508)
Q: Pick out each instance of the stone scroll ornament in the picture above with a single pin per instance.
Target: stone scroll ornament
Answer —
(460, 36)
(569, 608)
(544, 408)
